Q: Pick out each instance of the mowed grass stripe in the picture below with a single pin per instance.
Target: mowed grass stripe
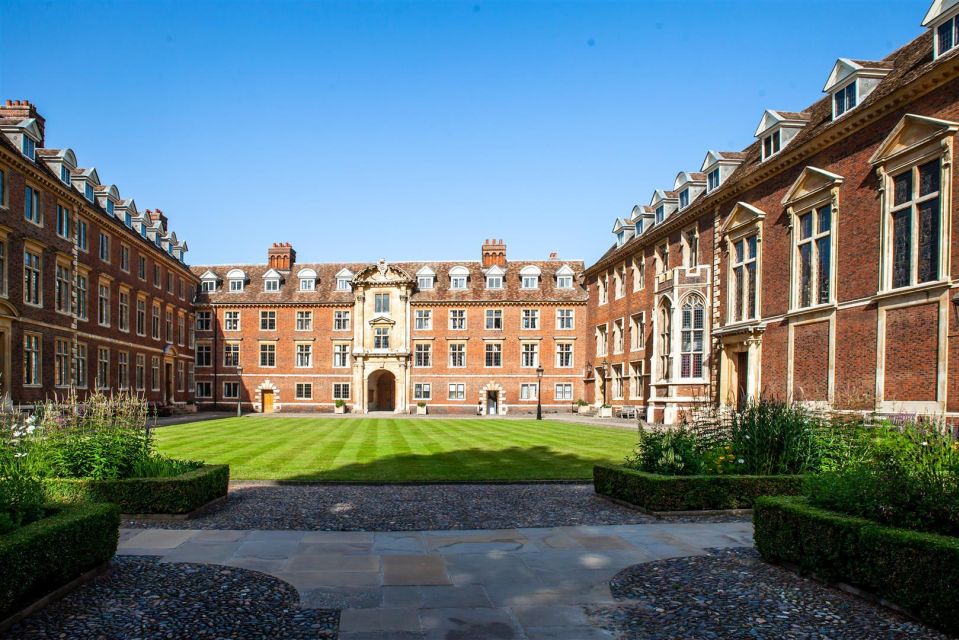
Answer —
(385, 449)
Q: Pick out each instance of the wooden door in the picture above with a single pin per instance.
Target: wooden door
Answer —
(267, 400)
(742, 378)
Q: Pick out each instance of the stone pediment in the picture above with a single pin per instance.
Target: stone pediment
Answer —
(382, 273)
(812, 180)
(742, 215)
(381, 320)
(911, 133)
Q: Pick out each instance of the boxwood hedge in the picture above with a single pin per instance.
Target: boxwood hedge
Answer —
(175, 495)
(916, 571)
(655, 492)
(46, 554)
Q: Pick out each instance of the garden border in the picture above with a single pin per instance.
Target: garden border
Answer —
(910, 571)
(187, 494)
(662, 495)
(46, 559)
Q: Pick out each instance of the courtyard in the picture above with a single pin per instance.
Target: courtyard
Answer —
(378, 449)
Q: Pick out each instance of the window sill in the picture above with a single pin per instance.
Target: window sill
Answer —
(916, 288)
(813, 310)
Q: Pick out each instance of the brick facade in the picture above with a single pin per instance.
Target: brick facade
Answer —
(853, 225)
(52, 335)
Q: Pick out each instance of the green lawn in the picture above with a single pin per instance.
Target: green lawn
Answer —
(390, 450)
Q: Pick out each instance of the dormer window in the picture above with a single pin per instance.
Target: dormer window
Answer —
(660, 213)
(342, 284)
(494, 282)
(529, 277)
(64, 174)
(208, 286)
(844, 99)
(236, 278)
(272, 285)
(458, 278)
(564, 277)
(88, 191)
(425, 278)
(771, 145)
(307, 284)
(29, 147)
(947, 35)
(712, 180)
(110, 207)
(684, 198)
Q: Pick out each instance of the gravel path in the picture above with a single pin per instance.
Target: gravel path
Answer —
(731, 594)
(407, 508)
(145, 599)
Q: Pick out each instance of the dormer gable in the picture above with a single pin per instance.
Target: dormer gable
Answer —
(236, 280)
(126, 210)
(459, 277)
(564, 277)
(107, 196)
(62, 162)
(851, 81)
(663, 203)
(425, 277)
(271, 281)
(494, 277)
(942, 19)
(208, 281)
(529, 277)
(718, 166)
(642, 218)
(688, 186)
(86, 181)
(25, 134)
(307, 279)
(623, 229)
(777, 129)
(344, 278)
(811, 181)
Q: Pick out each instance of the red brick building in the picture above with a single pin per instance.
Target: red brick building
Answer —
(458, 337)
(94, 294)
(818, 264)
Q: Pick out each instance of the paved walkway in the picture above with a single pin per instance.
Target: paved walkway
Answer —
(490, 584)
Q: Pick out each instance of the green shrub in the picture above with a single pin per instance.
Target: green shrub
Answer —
(675, 451)
(157, 466)
(44, 555)
(916, 571)
(655, 492)
(168, 495)
(21, 491)
(771, 437)
(909, 478)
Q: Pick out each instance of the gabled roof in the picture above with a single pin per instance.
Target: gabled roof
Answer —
(772, 118)
(272, 274)
(344, 273)
(565, 270)
(659, 195)
(622, 223)
(496, 270)
(846, 68)
(90, 174)
(937, 9)
(208, 275)
(426, 271)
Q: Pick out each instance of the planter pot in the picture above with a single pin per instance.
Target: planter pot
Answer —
(339, 409)
(583, 408)
(420, 411)
(605, 412)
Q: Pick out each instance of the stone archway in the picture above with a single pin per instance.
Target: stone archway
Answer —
(381, 390)
(492, 400)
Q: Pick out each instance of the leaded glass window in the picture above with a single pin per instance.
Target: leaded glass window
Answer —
(915, 220)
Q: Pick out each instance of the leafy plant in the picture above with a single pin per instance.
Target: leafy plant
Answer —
(340, 403)
(160, 467)
(908, 477)
(771, 437)
(675, 451)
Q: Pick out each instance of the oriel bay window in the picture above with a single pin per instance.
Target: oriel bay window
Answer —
(691, 347)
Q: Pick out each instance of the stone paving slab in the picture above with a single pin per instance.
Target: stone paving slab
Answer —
(509, 583)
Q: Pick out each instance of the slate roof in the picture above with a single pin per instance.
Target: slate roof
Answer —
(326, 293)
(906, 63)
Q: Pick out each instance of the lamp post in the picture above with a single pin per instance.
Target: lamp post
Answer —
(239, 389)
(539, 384)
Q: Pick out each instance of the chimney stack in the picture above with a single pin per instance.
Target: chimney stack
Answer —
(553, 255)
(494, 252)
(22, 110)
(281, 256)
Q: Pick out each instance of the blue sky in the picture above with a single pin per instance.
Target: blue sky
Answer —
(415, 130)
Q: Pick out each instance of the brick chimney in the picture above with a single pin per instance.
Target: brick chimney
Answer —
(22, 109)
(158, 216)
(494, 252)
(553, 255)
(281, 256)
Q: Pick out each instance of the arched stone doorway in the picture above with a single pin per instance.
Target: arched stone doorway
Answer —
(382, 391)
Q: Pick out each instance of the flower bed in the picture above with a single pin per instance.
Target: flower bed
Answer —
(180, 494)
(46, 554)
(656, 492)
(914, 570)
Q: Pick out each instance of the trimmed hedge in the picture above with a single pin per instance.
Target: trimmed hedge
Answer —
(46, 554)
(913, 570)
(175, 495)
(655, 492)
